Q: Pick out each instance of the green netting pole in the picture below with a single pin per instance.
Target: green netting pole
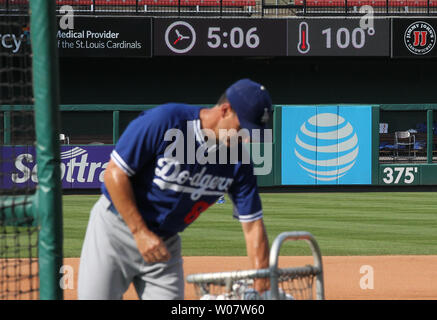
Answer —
(429, 142)
(115, 126)
(48, 199)
(7, 127)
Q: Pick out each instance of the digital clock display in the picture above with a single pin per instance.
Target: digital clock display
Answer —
(220, 37)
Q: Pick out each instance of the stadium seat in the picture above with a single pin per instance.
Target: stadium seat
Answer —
(239, 3)
(405, 139)
(116, 2)
(192, 3)
(75, 2)
(373, 3)
(416, 3)
(17, 2)
(158, 2)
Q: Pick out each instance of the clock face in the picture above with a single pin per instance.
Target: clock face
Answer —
(180, 37)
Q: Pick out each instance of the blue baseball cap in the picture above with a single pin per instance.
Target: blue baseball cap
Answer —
(252, 103)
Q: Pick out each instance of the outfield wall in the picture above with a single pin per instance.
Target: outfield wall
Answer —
(343, 145)
(312, 145)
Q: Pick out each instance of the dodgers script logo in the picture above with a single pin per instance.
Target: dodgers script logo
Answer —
(326, 146)
(419, 38)
(170, 177)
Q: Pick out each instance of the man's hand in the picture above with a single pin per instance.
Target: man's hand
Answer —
(151, 247)
(262, 285)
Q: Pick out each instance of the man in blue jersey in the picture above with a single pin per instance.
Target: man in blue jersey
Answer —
(166, 169)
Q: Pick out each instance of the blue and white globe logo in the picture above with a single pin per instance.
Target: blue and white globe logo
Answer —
(326, 146)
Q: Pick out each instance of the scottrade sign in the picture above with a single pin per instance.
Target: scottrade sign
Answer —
(82, 167)
(326, 145)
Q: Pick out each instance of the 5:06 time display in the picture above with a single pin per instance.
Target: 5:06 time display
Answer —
(236, 38)
(220, 37)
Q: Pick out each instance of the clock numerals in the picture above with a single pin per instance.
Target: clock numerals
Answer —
(237, 38)
(252, 39)
(214, 38)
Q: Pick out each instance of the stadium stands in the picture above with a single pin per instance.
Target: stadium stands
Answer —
(246, 8)
(227, 3)
(141, 3)
(373, 3)
(290, 7)
(233, 7)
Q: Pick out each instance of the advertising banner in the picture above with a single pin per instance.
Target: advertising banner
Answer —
(414, 38)
(106, 37)
(14, 35)
(103, 36)
(326, 145)
(82, 167)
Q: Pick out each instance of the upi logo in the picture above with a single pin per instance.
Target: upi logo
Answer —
(326, 146)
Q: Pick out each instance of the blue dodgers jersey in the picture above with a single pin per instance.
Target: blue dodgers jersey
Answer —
(160, 152)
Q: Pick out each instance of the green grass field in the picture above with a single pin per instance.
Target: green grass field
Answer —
(366, 223)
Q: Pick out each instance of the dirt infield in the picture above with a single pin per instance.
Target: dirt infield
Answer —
(346, 278)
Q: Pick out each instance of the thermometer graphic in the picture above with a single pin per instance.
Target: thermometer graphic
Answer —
(303, 46)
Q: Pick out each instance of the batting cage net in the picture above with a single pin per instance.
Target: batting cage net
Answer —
(18, 232)
(297, 283)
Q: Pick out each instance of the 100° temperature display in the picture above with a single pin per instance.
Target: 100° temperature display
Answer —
(337, 37)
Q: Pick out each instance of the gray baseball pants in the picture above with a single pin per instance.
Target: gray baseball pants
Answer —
(110, 262)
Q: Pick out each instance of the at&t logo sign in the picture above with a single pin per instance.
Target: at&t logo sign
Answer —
(326, 146)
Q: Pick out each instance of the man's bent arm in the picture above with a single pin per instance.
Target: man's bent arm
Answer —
(118, 184)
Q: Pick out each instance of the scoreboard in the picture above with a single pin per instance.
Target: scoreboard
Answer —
(270, 37)
(104, 36)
